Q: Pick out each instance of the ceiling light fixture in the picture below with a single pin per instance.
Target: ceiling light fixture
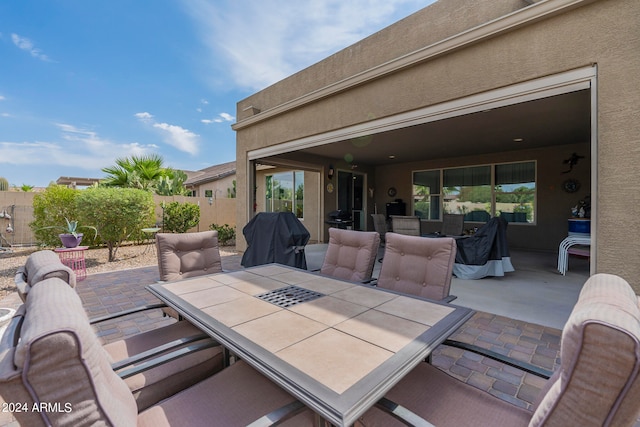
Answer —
(392, 157)
(518, 139)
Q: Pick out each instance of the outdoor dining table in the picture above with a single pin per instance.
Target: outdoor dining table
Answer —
(336, 346)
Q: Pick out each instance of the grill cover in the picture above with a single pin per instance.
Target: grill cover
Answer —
(276, 237)
(486, 253)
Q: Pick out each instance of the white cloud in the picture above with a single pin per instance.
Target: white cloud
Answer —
(176, 136)
(76, 148)
(2, 98)
(179, 137)
(27, 45)
(144, 116)
(264, 41)
(221, 118)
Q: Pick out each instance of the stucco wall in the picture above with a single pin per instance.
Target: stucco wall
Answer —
(219, 188)
(604, 32)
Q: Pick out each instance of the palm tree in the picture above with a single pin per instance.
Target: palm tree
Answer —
(135, 172)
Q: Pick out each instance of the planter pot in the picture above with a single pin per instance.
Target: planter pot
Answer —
(69, 240)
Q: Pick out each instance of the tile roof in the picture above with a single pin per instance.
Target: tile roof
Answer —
(211, 173)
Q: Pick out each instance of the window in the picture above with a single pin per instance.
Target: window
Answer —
(515, 191)
(208, 193)
(479, 192)
(468, 191)
(426, 194)
(285, 192)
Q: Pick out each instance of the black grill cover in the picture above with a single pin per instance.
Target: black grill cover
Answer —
(488, 243)
(275, 237)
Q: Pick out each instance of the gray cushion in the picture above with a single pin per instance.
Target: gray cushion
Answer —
(183, 255)
(418, 265)
(351, 254)
(59, 361)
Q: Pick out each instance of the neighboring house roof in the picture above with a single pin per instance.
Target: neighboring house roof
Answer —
(76, 181)
(212, 173)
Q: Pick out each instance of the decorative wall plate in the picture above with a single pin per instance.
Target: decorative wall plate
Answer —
(392, 192)
(330, 187)
(571, 186)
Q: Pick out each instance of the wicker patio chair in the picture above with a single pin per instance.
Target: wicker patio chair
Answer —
(409, 225)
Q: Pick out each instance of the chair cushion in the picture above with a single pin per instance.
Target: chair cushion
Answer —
(598, 382)
(183, 255)
(154, 385)
(236, 396)
(418, 265)
(39, 266)
(59, 361)
(351, 254)
(445, 401)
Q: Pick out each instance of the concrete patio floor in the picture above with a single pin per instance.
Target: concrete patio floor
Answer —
(520, 315)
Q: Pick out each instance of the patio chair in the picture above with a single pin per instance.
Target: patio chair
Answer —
(51, 359)
(184, 255)
(409, 225)
(152, 385)
(452, 225)
(597, 383)
(39, 266)
(380, 225)
(351, 255)
(418, 266)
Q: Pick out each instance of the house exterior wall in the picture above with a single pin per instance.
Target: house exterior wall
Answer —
(219, 188)
(603, 33)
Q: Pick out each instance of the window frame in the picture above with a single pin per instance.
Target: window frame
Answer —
(294, 176)
(493, 188)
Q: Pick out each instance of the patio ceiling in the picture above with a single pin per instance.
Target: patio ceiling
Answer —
(555, 120)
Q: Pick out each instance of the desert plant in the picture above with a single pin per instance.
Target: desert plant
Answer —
(26, 188)
(4, 184)
(117, 213)
(72, 227)
(180, 217)
(226, 233)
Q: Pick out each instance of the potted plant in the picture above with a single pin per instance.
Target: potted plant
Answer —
(71, 238)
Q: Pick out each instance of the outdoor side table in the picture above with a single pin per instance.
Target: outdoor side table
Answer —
(150, 238)
(74, 259)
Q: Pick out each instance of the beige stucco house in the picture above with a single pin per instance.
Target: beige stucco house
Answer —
(213, 182)
(504, 107)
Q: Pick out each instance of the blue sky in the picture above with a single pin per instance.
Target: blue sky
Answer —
(85, 82)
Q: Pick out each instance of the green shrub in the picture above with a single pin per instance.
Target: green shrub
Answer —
(226, 233)
(50, 210)
(117, 213)
(180, 217)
